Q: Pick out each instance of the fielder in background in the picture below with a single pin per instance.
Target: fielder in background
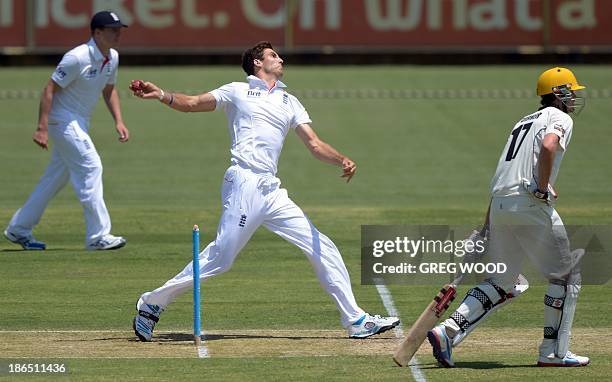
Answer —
(66, 105)
(523, 222)
(260, 113)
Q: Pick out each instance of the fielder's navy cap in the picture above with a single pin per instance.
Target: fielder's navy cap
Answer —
(106, 19)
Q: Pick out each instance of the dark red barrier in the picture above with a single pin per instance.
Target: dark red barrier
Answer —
(12, 23)
(187, 24)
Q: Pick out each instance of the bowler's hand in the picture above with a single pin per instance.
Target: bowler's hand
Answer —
(124, 134)
(348, 169)
(145, 90)
(41, 138)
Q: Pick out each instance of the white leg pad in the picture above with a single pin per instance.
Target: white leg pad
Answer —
(477, 302)
(461, 333)
(554, 300)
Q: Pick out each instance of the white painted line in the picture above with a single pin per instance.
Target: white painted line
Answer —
(387, 300)
(202, 350)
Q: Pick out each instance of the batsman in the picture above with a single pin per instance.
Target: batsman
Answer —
(524, 223)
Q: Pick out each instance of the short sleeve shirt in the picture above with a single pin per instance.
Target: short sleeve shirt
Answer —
(518, 162)
(258, 121)
(82, 74)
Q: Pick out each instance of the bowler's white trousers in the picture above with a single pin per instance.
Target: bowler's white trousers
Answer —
(250, 200)
(73, 157)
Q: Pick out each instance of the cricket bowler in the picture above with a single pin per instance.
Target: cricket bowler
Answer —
(260, 114)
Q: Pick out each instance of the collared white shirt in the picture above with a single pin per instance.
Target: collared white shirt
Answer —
(519, 159)
(82, 74)
(258, 121)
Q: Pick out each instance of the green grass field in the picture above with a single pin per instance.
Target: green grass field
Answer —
(420, 161)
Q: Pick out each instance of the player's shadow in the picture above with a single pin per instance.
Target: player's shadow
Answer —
(480, 365)
(182, 337)
(14, 250)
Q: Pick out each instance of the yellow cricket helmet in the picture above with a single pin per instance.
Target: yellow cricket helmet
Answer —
(555, 78)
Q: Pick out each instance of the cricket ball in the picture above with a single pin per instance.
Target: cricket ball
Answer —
(137, 85)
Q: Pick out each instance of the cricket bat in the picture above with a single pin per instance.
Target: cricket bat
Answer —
(430, 317)
(426, 321)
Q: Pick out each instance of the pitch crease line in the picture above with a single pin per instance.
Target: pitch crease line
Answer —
(387, 300)
(202, 349)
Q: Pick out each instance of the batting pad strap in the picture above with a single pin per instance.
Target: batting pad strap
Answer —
(550, 333)
(500, 291)
(554, 302)
(460, 320)
(481, 296)
(148, 315)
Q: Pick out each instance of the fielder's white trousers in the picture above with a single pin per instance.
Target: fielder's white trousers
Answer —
(521, 227)
(74, 157)
(250, 200)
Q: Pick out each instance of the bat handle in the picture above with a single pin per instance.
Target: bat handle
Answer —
(457, 280)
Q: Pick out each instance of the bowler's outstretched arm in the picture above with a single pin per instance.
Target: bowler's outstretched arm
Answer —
(325, 152)
(177, 101)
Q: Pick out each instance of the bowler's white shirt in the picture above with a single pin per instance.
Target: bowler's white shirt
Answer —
(82, 74)
(519, 159)
(258, 121)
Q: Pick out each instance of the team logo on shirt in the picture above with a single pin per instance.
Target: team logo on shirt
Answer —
(285, 99)
(560, 128)
(91, 73)
(60, 72)
(242, 221)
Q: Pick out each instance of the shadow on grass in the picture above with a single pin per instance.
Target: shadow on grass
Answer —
(13, 250)
(183, 337)
(481, 365)
(166, 337)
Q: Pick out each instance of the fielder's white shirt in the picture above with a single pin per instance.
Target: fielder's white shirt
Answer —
(258, 121)
(82, 74)
(519, 159)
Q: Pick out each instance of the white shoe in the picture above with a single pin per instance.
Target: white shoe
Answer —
(27, 242)
(145, 320)
(569, 360)
(369, 325)
(107, 242)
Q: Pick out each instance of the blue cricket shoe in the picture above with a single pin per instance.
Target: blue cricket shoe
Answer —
(27, 242)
